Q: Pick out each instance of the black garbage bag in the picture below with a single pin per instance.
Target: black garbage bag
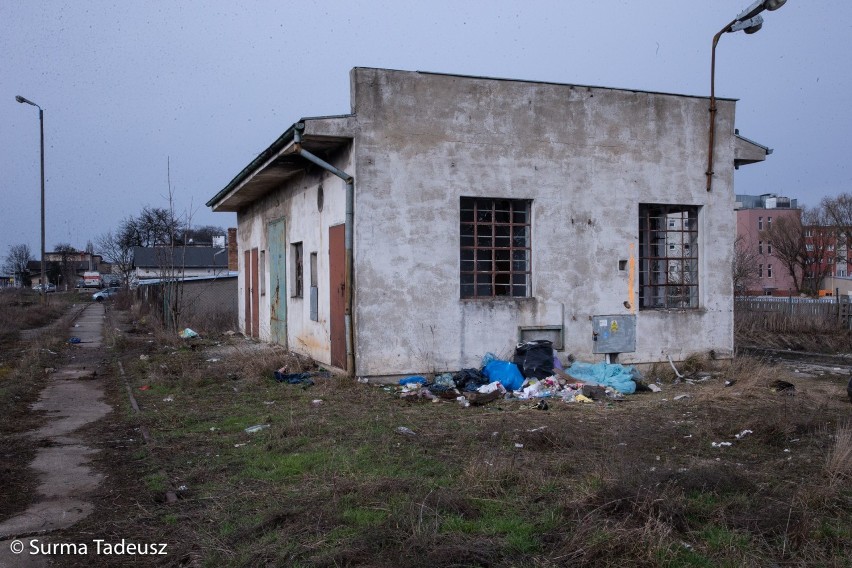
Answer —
(535, 358)
(469, 380)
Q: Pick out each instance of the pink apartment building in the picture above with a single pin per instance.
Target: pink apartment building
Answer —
(756, 213)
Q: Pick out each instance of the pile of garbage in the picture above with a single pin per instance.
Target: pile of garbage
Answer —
(535, 372)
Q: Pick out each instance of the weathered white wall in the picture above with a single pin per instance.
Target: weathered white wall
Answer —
(296, 203)
(585, 156)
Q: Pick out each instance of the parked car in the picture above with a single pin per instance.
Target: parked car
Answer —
(105, 294)
(48, 288)
(114, 283)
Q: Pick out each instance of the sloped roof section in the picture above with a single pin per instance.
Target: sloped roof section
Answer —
(187, 257)
(748, 151)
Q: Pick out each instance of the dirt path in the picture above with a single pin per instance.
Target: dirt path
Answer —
(72, 399)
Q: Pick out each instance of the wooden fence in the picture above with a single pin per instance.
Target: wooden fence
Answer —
(790, 314)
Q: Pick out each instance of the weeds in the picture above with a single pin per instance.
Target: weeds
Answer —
(331, 483)
(838, 464)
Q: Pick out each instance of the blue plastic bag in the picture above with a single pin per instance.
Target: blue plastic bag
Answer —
(616, 376)
(415, 379)
(506, 372)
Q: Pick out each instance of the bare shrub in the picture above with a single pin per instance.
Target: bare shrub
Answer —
(838, 464)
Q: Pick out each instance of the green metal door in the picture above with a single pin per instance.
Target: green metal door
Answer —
(277, 282)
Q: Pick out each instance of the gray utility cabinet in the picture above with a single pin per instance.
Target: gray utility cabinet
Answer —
(614, 334)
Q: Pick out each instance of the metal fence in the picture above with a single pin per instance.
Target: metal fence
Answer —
(203, 304)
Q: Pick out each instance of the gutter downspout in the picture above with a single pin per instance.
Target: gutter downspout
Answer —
(348, 231)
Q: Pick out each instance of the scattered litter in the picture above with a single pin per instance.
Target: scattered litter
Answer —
(316, 402)
(145, 387)
(542, 405)
(720, 444)
(617, 376)
(188, 334)
(415, 380)
(743, 434)
(730, 383)
(74, 340)
(49, 351)
(787, 450)
(143, 357)
(182, 488)
(783, 386)
(257, 428)
(213, 428)
(363, 380)
(682, 396)
(268, 402)
(582, 398)
(48, 370)
(535, 358)
(169, 398)
(239, 445)
(405, 431)
(463, 401)
(688, 436)
(519, 445)
(505, 372)
(481, 398)
(303, 379)
(675, 368)
(654, 388)
(76, 325)
(213, 360)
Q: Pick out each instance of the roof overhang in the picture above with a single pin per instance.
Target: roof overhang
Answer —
(276, 165)
(748, 151)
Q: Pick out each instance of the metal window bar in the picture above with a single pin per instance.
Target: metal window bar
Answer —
(495, 248)
(668, 251)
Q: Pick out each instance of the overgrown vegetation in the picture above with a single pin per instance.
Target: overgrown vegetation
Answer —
(332, 482)
(24, 369)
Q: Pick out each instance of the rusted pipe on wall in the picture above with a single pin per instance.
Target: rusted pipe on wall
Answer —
(348, 231)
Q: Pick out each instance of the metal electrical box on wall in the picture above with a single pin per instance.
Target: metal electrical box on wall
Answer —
(614, 334)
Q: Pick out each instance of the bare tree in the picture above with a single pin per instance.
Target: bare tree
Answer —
(821, 237)
(787, 235)
(119, 252)
(64, 271)
(744, 266)
(202, 235)
(16, 263)
(805, 247)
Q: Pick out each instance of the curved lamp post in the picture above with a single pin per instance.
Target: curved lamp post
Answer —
(21, 99)
(749, 21)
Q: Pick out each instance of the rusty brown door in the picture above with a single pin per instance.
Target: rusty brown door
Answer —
(255, 296)
(248, 285)
(337, 290)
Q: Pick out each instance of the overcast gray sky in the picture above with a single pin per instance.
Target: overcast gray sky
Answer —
(129, 86)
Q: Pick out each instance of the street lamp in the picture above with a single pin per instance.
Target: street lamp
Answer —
(749, 21)
(21, 99)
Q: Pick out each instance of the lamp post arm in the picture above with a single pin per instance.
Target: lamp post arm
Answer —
(712, 130)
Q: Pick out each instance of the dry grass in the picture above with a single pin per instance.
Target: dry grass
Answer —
(839, 461)
(332, 483)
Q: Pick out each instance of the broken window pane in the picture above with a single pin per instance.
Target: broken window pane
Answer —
(668, 256)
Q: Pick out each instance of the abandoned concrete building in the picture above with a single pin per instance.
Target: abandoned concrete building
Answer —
(449, 216)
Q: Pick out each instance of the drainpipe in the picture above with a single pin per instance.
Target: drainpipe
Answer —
(348, 231)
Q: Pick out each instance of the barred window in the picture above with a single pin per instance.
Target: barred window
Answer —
(495, 249)
(668, 256)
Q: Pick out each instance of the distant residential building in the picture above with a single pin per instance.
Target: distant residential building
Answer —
(65, 268)
(179, 262)
(755, 214)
